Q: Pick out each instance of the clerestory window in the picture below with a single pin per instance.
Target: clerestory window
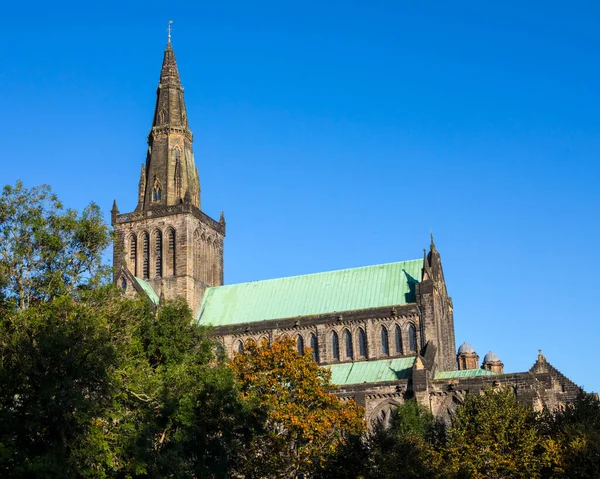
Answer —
(385, 343)
(335, 346)
(314, 346)
(412, 338)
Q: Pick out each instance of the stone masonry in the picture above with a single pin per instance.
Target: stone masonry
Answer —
(169, 248)
(168, 241)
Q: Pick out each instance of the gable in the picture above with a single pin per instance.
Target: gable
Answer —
(343, 290)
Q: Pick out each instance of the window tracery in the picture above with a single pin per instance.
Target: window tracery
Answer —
(156, 191)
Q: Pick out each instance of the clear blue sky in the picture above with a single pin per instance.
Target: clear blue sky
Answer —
(339, 134)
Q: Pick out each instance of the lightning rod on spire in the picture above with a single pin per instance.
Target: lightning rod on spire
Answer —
(169, 29)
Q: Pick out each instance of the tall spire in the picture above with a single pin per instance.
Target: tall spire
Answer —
(170, 106)
(169, 74)
(170, 171)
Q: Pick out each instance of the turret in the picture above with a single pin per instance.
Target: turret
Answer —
(491, 362)
(467, 357)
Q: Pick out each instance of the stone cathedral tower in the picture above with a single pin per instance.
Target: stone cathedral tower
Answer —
(168, 247)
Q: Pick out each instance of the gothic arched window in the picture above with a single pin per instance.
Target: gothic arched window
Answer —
(348, 341)
(398, 340)
(146, 255)
(156, 191)
(239, 347)
(314, 345)
(362, 343)
(172, 255)
(385, 342)
(335, 346)
(158, 254)
(123, 283)
(412, 338)
(300, 344)
(133, 254)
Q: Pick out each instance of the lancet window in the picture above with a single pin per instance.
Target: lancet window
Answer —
(172, 253)
(314, 345)
(156, 191)
(362, 343)
(348, 341)
(146, 255)
(385, 343)
(335, 346)
(133, 254)
(398, 340)
(412, 338)
(158, 254)
(300, 344)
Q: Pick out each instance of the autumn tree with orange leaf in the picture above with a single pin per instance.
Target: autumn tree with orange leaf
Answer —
(304, 422)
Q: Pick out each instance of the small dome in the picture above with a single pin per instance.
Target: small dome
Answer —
(489, 357)
(465, 348)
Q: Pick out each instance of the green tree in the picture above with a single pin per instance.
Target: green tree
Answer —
(104, 386)
(574, 432)
(304, 422)
(492, 435)
(178, 412)
(55, 362)
(407, 447)
(93, 384)
(46, 250)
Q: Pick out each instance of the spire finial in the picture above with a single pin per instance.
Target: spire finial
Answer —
(169, 30)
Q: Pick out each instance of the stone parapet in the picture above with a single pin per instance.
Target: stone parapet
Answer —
(161, 211)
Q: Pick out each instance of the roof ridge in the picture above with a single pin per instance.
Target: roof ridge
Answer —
(317, 273)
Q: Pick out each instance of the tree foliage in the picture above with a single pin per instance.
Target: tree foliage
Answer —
(492, 435)
(575, 435)
(407, 447)
(55, 360)
(178, 413)
(304, 423)
(104, 386)
(47, 251)
(97, 385)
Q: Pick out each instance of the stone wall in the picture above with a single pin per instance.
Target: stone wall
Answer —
(370, 321)
(178, 251)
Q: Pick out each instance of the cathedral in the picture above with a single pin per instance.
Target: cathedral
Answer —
(386, 331)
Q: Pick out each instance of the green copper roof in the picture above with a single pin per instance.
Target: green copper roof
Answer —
(148, 290)
(371, 371)
(332, 291)
(466, 373)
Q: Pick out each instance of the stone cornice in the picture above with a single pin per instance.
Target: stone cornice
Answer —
(165, 130)
(163, 211)
(338, 317)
